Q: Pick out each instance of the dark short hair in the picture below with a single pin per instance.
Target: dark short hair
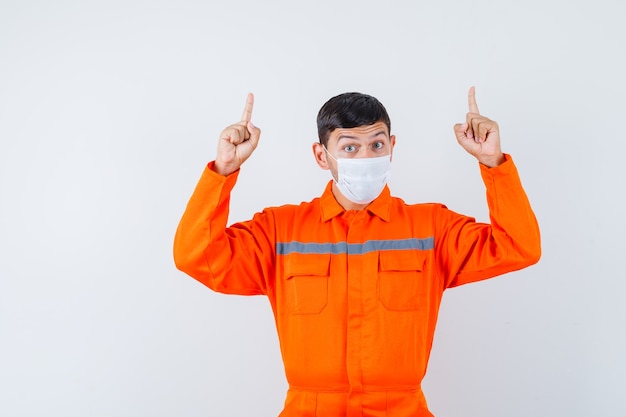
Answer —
(350, 110)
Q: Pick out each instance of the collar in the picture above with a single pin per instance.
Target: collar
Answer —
(380, 207)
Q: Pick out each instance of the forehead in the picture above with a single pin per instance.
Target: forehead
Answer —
(376, 130)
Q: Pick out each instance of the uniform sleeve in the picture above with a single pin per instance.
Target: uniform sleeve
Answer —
(233, 260)
(469, 251)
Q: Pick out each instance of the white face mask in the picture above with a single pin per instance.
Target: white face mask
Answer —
(361, 180)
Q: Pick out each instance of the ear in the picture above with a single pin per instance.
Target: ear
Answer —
(320, 155)
(392, 142)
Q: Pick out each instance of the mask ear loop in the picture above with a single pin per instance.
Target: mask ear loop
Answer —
(335, 159)
(329, 154)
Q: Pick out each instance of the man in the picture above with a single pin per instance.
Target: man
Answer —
(355, 277)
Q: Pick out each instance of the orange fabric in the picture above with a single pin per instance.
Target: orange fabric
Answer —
(355, 294)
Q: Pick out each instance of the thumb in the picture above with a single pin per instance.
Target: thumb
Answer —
(255, 134)
(460, 130)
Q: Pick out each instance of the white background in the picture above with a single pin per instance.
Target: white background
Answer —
(109, 111)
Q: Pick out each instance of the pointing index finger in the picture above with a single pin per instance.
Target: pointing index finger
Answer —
(247, 111)
(471, 99)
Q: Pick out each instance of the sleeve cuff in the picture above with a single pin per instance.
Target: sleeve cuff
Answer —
(210, 168)
(503, 168)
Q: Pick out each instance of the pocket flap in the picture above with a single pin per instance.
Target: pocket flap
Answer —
(298, 264)
(402, 260)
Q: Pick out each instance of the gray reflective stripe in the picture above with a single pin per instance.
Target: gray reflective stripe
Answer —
(285, 248)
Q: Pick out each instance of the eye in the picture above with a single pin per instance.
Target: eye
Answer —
(349, 148)
(378, 145)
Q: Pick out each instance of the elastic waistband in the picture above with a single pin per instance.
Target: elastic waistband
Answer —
(344, 401)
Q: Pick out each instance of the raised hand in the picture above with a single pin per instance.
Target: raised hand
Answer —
(237, 142)
(479, 135)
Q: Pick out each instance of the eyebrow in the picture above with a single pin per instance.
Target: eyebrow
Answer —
(382, 132)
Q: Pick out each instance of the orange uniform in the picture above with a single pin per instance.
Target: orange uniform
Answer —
(355, 294)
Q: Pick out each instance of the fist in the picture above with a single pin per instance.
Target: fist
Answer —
(237, 142)
(479, 136)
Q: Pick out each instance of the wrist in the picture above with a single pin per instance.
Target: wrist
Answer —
(221, 169)
(493, 160)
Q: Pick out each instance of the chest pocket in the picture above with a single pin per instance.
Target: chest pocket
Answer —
(306, 283)
(402, 279)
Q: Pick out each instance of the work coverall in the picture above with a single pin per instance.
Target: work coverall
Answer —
(355, 294)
